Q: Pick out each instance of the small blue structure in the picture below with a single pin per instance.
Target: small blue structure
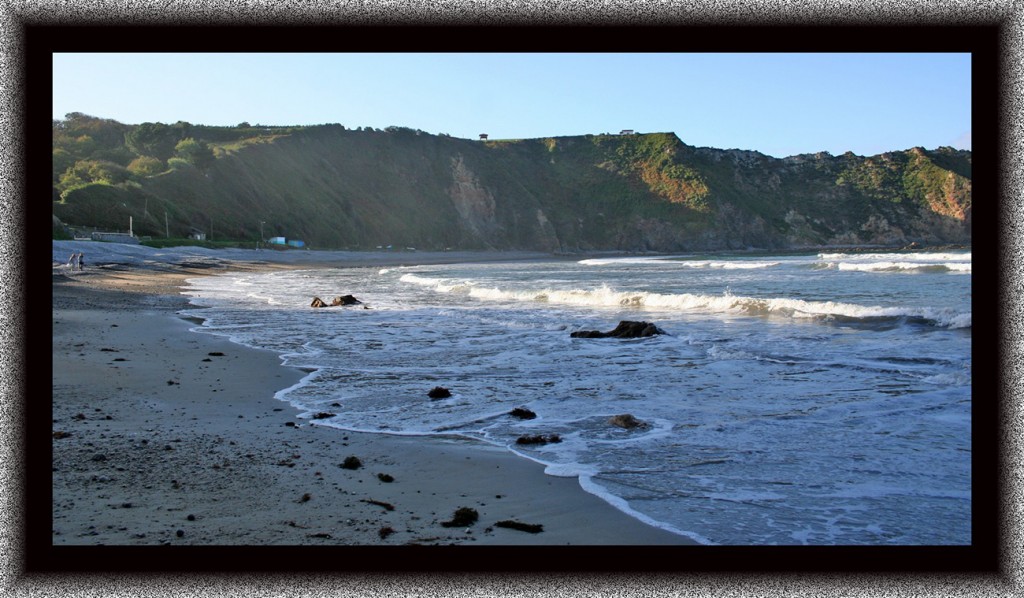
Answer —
(277, 241)
(296, 243)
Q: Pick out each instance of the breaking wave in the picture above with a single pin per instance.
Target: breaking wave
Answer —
(896, 262)
(727, 304)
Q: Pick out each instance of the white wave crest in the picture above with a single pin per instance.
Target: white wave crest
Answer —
(675, 261)
(728, 304)
(912, 257)
(885, 266)
(897, 262)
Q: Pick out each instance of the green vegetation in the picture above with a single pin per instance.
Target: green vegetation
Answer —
(339, 188)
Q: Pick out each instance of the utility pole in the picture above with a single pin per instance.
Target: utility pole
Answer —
(167, 228)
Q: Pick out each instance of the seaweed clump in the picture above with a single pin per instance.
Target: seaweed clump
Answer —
(352, 463)
(463, 517)
(387, 506)
(532, 528)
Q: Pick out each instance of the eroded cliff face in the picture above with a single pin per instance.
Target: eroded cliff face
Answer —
(474, 204)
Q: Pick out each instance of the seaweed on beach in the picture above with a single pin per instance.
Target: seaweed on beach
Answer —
(532, 528)
(352, 463)
(463, 517)
(387, 506)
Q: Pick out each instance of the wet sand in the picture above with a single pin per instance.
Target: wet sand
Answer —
(164, 436)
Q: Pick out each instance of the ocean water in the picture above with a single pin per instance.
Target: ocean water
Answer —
(819, 399)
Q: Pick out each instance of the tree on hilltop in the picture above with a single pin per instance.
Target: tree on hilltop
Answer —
(153, 139)
(197, 153)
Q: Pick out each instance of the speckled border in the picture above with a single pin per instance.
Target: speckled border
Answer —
(14, 277)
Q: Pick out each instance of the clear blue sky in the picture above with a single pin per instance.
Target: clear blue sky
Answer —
(778, 104)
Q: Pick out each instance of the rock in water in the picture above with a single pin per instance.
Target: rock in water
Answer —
(522, 413)
(340, 300)
(346, 300)
(538, 439)
(439, 392)
(625, 329)
(627, 421)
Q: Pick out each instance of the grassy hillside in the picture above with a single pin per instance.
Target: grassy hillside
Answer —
(334, 187)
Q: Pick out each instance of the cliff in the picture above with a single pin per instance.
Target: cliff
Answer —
(335, 187)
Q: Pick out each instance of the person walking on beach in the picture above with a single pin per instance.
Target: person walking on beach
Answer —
(73, 260)
(81, 261)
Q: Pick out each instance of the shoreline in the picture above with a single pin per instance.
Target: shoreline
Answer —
(165, 433)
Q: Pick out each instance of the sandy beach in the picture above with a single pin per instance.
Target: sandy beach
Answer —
(165, 436)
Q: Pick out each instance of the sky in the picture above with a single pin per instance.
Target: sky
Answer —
(779, 104)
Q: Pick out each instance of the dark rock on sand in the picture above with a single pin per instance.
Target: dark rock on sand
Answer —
(352, 463)
(625, 329)
(439, 392)
(627, 421)
(323, 415)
